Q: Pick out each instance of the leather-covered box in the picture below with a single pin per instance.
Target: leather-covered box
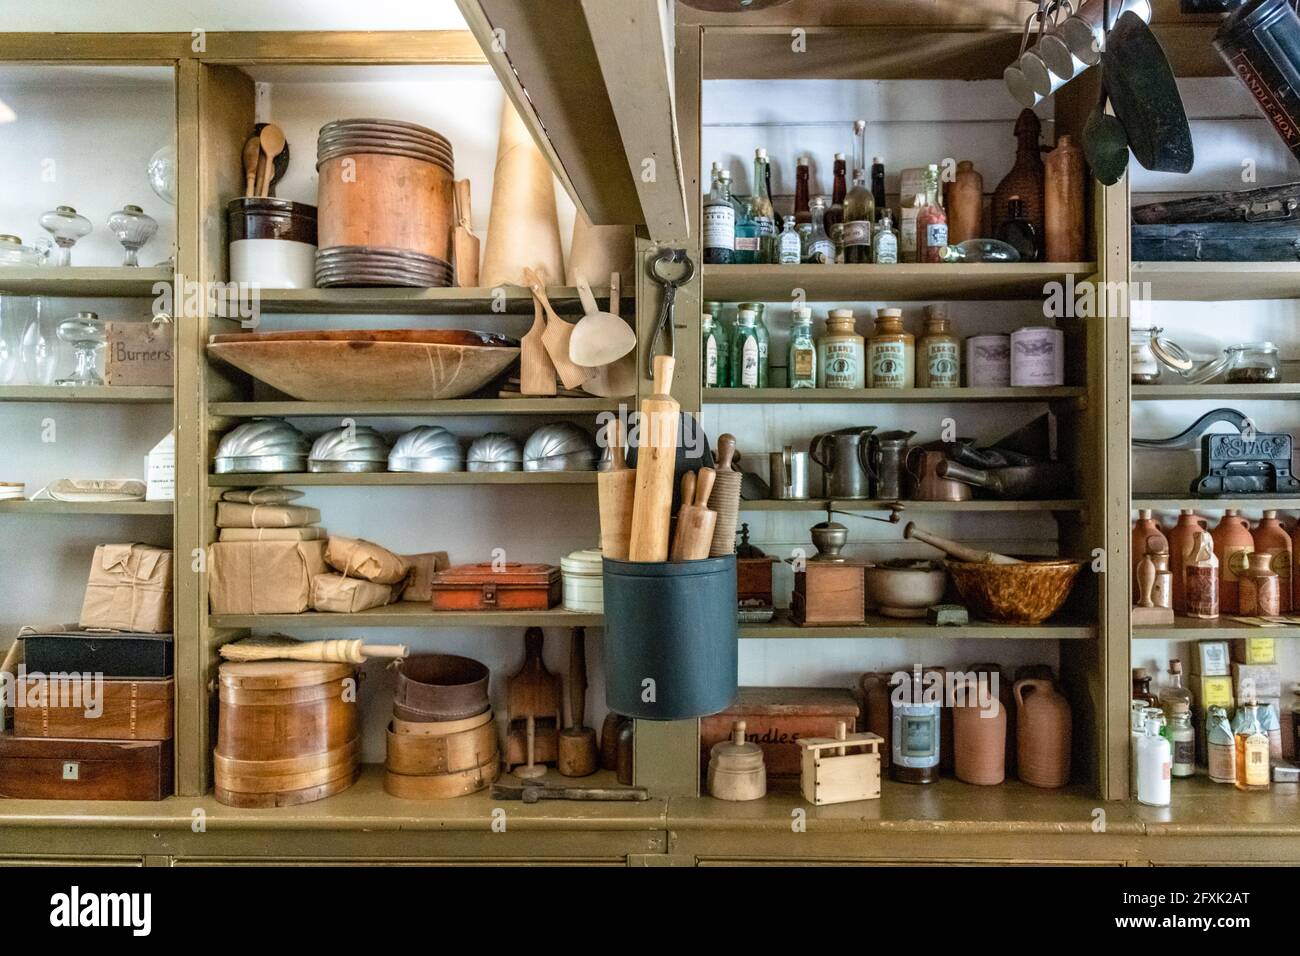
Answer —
(114, 654)
(480, 587)
(58, 768)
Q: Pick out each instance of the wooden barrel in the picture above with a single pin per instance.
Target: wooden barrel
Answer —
(424, 765)
(288, 732)
(385, 185)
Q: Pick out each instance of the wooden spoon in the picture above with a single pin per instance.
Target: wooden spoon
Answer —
(618, 379)
(272, 143)
(557, 335)
(599, 338)
(252, 152)
(536, 370)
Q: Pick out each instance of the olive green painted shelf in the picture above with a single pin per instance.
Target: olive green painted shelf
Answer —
(877, 626)
(73, 282)
(89, 394)
(885, 396)
(872, 283)
(1175, 503)
(1223, 628)
(847, 504)
(510, 299)
(412, 614)
(457, 406)
(389, 478)
(87, 507)
(1219, 281)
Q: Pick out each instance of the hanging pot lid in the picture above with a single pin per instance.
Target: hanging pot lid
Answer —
(1145, 96)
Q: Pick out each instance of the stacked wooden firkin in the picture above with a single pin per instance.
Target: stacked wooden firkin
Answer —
(289, 732)
(442, 741)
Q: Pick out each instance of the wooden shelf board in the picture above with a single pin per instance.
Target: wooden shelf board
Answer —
(781, 628)
(411, 614)
(72, 282)
(511, 299)
(87, 508)
(1200, 807)
(88, 394)
(458, 406)
(388, 478)
(870, 283)
(1219, 281)
(1176, 503)
(979, 504)
(1278, 392)
(885, 396)
(1224, 628)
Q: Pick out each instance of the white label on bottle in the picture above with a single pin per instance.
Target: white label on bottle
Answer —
(746, 243)
(907, 244)
(936, 235)
(916, 736)
(823, 250)
(856, 233)
(711, 362)
(843, 365)
(790, 249)
(888, 365)
(886, 249)
(1256, 758)
(749, 364)
(765, 225)
(943, 364)
(720, 227)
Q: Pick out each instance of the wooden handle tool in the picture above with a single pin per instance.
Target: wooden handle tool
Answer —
(615, 491)
(556, 337)
(656, 465)
(337, 651)
(955, 549)
(726, 451)
(579, 751)
(695, 522)
(531, 793)
(252, 157)
(465, 245)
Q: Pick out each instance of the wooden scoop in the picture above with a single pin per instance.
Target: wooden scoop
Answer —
(252, 153)
(618, 379)
(536, 370)
(599, 338)
(956, 550)
(615, 490)
(695, 522)
(465, 245)
(556, 337)
(272, 143)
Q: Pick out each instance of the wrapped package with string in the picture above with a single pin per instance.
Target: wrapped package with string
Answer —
(263, 577)
(129, 589)
(358, 558)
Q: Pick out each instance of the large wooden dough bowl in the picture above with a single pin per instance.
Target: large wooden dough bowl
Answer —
(369, 366)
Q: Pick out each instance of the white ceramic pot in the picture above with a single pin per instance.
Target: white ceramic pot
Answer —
(273, 263)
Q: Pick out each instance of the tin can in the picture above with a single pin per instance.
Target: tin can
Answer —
(988, 361)
(1037, 357)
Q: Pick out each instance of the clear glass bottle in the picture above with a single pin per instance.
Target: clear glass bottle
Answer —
(66, 226)
(1251, 749)
(790, 248)
(859, 205)
(744, 351)
(86, 334)
(711, 355)
(819, 249)
(841, 353)
(931, 220)
(1137, 721)
(761, 211)
(723, 330)
(1154, 764)
(884, 241)
(1253, 363)
(938, 359)
(1018, 232)
(1220, 748)
(1174, 693)
(1142, 687)
(719, 226)
(802, 355)
(764, 339)
(747, 238)
(835, 211)
(1183, 737)
(891, 352)
(133, 229)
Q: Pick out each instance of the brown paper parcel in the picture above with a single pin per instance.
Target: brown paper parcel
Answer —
(334, 592)
(262, 496)
(234, 514)
(358, 558)
(129, 589)
(423, 568)
(311, 533)
(263, 577)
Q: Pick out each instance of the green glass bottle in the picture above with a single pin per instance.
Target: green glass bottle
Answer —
(722, 330)
(710, 353)
(760, 326)
(744, 351)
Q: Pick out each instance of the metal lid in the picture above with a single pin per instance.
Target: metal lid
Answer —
(426, 448)
(263, 437)
(495, 447)
(350, 445)
(559, 443)
(588, 562)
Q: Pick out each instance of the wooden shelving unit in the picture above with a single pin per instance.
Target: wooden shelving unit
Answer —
(886, 396)
(411, 614)
(456, 406)
(87, 507)
(1193, 629)
(1219, 281)
(781, 628)
(907, 507)
(1244, 503)
(83, 282)
(507, 299)
(395, 479)
(88, 394)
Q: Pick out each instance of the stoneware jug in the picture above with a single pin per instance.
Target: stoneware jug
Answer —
(875, 689)
(1181, 537)
(979, 735)
(1232, 542)
(1042, 734)
(993, 672)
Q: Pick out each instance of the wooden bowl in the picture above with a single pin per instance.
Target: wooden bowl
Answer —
(369, 366)
(1026, 593)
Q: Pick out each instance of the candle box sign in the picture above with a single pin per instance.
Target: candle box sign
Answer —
(777, 718)
(139, 353)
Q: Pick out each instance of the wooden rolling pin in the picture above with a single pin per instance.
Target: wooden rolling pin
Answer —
(956, 550)
(656, 464)
(615, 490)
(695, 522)
(285, 649)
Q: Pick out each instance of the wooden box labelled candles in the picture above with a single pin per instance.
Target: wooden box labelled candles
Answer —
(840, 769)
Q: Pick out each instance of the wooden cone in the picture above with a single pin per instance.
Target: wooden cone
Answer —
(600, 250)
(523, 230)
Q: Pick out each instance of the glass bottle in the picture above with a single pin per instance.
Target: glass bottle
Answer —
(744, 351)
(1201, 578)
(1142, 687)
(790, 248)
(747, 238)
(878, 184)
(884, 241)
(801, 358)
(66, 227)
(85, 333)
(133, 229)
(819, 249)
(723, 330)
(1183, 737)
(914, 733)
(1154, 764)
(802, 211)
(1251, 749)
(1137, 721)
(835, 211)
(710, 354)
(39, 347)
(1018, 232)
(1220, 748)
(1174, 693)
(859, 206)
(764, 339)
(760, 210)
(891, 353)
(719, 224)
(841, 353)
(979, 250)
(938, 362)
(931, 220)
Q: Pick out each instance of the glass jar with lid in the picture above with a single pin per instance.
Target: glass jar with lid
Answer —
(1143, 366)
(1253, 363)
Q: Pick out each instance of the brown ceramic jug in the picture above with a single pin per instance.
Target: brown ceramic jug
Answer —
(991, 672)
(1271, 537)
(1145, 527)
(1042, 734)
(1181, 538)
(979, 735)
(1065, 172)
(965, 202)
(875, 690)
(1232, 542)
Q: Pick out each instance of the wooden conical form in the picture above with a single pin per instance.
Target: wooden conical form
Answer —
(523, 231)
(596, 251)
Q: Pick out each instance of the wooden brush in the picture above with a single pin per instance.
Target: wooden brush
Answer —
(281, 648)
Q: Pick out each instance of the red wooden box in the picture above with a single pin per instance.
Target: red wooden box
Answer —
(514, 587)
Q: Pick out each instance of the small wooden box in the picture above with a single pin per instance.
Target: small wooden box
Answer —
(1254, 650)
(754, 581)
(777, 718)
(139, 353)
(830, 776)
(515, 587)
(56, 768)
(128, 710)
(828, 592)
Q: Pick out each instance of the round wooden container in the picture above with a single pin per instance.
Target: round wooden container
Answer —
(385, 185)
(288, 732)
(424, 765)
